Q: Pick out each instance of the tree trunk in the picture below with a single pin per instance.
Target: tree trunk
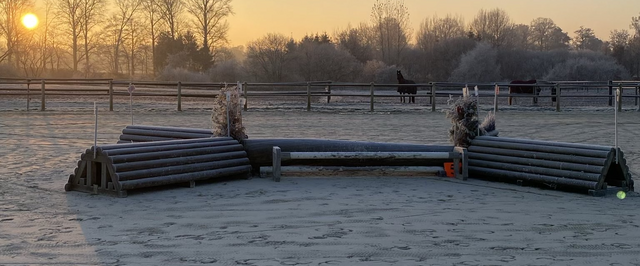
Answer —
(75, 50)
(86, 53)
(132, 72)
(116, 52)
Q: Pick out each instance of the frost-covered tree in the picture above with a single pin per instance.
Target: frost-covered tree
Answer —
(316, 58)
(357, 41)
(378, 72)
(478, 65)
(588, 65)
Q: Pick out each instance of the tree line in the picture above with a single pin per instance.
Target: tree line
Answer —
(187, 40)
(121, 38)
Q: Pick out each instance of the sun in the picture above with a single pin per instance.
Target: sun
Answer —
(30, 21)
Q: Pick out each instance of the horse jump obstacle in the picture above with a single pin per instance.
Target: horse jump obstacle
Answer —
(116, 168)
(146, 153)
(260, 155)
(458, 155)
(140, 133)
(555, 164)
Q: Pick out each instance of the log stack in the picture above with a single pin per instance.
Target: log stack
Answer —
(584, 167)
(116, 168)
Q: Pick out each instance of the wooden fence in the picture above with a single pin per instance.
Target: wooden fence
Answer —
(433, 90)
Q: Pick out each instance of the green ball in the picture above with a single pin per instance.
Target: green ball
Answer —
(621, 194)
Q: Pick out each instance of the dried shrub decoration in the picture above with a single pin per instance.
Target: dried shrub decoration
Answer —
(219, 114)
(488, 125)
(464, 122)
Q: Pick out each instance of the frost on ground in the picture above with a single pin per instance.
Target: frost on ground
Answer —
(331, 220)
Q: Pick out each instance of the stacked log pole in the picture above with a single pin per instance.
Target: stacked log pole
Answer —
(121, 167)
(556, 164)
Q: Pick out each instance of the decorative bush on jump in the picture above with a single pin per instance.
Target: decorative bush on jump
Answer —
(488, 124)
(464, 122)
(219, 114)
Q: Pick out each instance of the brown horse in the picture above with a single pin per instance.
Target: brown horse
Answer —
(406, 89)
(535, 90)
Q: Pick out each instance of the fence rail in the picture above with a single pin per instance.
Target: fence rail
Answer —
(433, 90)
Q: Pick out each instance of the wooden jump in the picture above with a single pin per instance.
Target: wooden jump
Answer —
(116, 168)
(553, 164)
(340, 159)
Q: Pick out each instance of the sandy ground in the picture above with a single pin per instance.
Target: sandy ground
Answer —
(338, 220)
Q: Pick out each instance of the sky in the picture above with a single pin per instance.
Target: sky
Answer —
(295, 18)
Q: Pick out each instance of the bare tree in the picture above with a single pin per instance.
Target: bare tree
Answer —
(559, 39)
(492, 26)
(30, 54)
(542, 33)
(210, 20)
(121, 22)
(619, 38)
(70, 14)
(90, 17)
(267, 57)
(635, 26)
(356, 41)
(390, 20)
(56, 52)
(152, 14)
(434, 30)
(619, 41)
(586, 39)
(27, 57)
(170, 12)
(634, 46)
(135, 45)
(10, 25)
(518, 37)
(545, 35)
(46, 33)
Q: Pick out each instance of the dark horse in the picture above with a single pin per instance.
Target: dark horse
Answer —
(535, 90)
(406, 89)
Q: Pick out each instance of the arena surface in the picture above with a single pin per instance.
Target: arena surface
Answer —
(337, 220)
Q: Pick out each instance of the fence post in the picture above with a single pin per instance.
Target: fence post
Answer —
(610, 83)
(430, 95)
(433, 97)
(110, 95)
(308, 97)
(179, 96)
(42, 104)
(637, 91)
(372, 89)
(535, 94)
(558, 93)
(276, 163)
(246, 100)
(496, 91)
(619, 97)
(328, 90)
(29, 93)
